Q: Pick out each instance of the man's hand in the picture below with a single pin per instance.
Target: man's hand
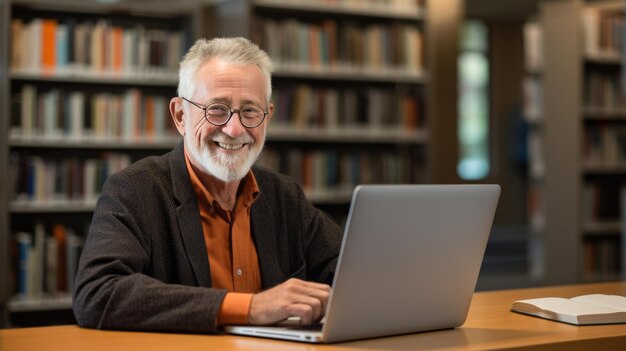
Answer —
(293, 298)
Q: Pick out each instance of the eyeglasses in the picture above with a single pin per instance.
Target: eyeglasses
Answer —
(218, 114)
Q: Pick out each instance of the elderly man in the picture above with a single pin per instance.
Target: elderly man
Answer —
(199, 238)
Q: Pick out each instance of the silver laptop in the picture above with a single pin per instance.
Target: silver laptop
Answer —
(408, 263)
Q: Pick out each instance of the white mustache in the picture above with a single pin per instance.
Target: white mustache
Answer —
(225, 139)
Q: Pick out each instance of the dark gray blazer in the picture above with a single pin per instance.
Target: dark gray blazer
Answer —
(145, 267)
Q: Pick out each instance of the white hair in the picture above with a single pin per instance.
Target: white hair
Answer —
(240, 51)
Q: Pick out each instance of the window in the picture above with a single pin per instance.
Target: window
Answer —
(473, 126)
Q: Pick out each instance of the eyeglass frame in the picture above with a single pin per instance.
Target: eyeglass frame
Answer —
(230, 109)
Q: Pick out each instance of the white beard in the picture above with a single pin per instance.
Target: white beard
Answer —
(227, 168)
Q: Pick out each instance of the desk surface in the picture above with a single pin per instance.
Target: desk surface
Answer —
(489, 326)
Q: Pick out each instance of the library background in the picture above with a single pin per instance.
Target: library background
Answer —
(526, 94)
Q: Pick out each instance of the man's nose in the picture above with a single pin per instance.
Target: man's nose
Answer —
(233, 127)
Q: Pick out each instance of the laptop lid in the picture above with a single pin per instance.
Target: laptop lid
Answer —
(409, 262)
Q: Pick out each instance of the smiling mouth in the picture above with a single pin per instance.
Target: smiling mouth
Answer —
(230, 146)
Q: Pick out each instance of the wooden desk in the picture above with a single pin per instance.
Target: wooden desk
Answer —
(490, 326)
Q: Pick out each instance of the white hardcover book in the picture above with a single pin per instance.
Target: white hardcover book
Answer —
(174, 51)
(28, 109)
(50, 113)
(33, 43)
(90, 177)
(77, 115)
(580, 310)
(533, 46)
(590, 27)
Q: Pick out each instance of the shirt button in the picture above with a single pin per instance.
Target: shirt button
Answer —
(239, 272)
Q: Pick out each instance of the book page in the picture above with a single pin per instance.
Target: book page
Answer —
(610, 301)
(569, 307)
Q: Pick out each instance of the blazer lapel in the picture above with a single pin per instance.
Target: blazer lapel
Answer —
(266, 246)
(188, 217)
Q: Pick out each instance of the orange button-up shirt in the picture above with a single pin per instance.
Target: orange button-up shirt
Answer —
(232, 255)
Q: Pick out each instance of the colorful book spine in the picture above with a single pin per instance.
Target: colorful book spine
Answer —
(326, 171)
(57, 181)
(378, 109)
(43, 45)
(46, 263)
(330, 44)
(59, 113)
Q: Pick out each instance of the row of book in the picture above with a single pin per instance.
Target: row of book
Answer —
(603, 31)
(42, 180)
(46, 261)
(75, 114)
(322, 171)
(396, 4)
(333, 44)
(45, 45)
(600, 200)
(305, 106)
(604, 91)
(604, 144)
(602, 258)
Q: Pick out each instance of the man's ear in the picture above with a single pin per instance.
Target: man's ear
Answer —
(178, 115)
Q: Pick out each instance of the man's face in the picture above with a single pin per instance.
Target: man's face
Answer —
(227, 152)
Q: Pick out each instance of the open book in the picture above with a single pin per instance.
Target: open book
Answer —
(580, 310)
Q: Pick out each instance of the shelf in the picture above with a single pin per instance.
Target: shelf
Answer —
(604, 58)
(346, 135)
(318, 197)
(597, 168)
(602, 227)
(28, 304)
(341, 196)
(351, 73)
(138, 143)
(408, 12)
(163, 8)
(59, 206)
(599, 113)
(602, 277)
(88, 77)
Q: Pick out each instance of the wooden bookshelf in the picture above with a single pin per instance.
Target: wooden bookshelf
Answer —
(101, 80)
(316, 75)
(582, 137)
(415, 146)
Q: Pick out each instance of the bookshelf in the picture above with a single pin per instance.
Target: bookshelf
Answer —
(583, 128)
(364, 139)
(86, 92)
(350, 89)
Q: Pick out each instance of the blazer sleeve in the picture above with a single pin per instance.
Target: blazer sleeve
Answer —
(118, 285)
